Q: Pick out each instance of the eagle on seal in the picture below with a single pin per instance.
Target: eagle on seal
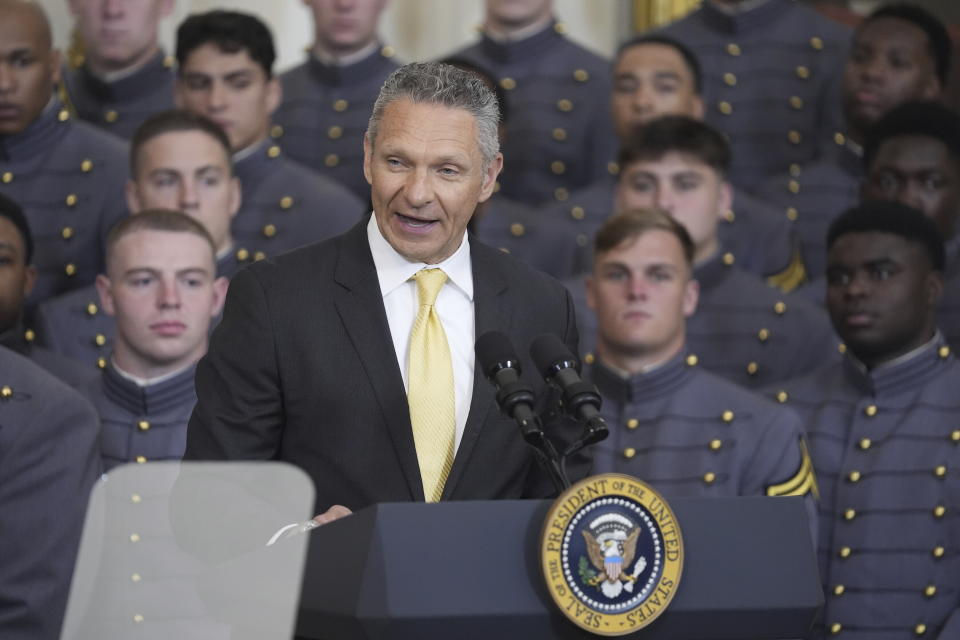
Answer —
(610, 555)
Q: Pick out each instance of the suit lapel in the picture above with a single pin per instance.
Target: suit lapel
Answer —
(360, 305)
(491, 312)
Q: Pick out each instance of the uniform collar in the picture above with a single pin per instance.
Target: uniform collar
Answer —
(154, 73)
(751, 18)
(150, 399)
(909, 371)
(393, 269)
(39, 135)
(657, 382)
(527, 48)
(336, 74)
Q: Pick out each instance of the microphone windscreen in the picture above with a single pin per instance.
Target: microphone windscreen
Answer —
(548, 351)
(494, 348)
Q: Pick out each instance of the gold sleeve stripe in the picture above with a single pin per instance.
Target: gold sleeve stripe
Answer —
(792, 276)
(803, 482)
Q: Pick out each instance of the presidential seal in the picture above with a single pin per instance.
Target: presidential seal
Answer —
(612, 554)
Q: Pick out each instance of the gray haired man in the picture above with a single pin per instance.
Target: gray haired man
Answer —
(319, 360)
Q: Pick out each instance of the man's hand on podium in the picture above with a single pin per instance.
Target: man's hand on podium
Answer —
(335, 512)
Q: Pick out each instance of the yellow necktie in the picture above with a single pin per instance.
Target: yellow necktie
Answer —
(430, 388)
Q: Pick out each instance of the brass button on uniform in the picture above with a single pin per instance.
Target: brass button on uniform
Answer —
(334, 132)
(692, 360)
(259, 255)
(633, 423)
(101, 363)
(870, 411)
(581, 75)
(838, 590)
(752, 368)
(733, 49)
(331, 160)
(589, 358)
(793, 187)
(938, 552)
(517, 229)
(135, 578)
(136, 498)
(792, 214)
(134, 537)
(816, 43)
(340, 105)
(66, 233)
(955, 436)
(943, 352)
(763, 335)
(143, 425)
(560, 194)
(842, 348)
(920, 629)
(729, 259)
(70, 269)
(725, 107)
(730, 79)
(138, 618)
(709, 477)
(613, 168)
(276, 131)
(849, 514)
(286, 202)
(727, 416)
(939, 511)
(854, 476)
(71, 200)
(387, 51)
(794, 137)
(803, 72)
(508, 84)
(940, 471)
(558, 167)
(795, 169)
(864, 444)
(6, 392)
(63, 115)
(839, 138)
(564, 105)
(7, 177)
(86, 165)
(269, 230)
(243, 255)
(836, 628)
(780, 308)
(796, 102)
(782, 396)
(100, 339)
(559, 134)
(141, 459)
(111, 116)
(716, 444)
(273, 151)
(29, 335)
(560, 28)
(930, 591)
(629, 452)
(845, 552)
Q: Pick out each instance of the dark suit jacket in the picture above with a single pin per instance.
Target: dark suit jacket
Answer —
(302, 368)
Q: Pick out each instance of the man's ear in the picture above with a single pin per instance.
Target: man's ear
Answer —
(591, 283)
(490, 178)
(29, 280)
(132, 197)
(367, 158)
(105, 291)
(220, 286)
(691, 296)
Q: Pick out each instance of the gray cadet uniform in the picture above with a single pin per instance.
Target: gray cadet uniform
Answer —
(948, 312)
(813, 196)
(690, 433)
(771, 82)
(119, 106)
(66, 369)
(743, 330)
(69, 178)
(886, 447)
(760, 241)
(141, 423)
(285, 205)
(525, 233)
(325, 112)
(75, 326)
(49, 461)
(559, 137)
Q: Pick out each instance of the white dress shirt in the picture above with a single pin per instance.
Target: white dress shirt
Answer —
(454, 306)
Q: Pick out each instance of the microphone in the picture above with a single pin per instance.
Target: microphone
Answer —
(501, 366)
(580, 399)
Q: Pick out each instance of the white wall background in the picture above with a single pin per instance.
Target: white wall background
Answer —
(417, 29)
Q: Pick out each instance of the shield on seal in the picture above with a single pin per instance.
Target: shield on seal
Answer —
(612, 565)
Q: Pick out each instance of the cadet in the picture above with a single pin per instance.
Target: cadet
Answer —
(912, 156)
(67, 176)
(771, 79)
(179, 161)
(327, 99)
(225, 63)
(884, 436)
(743, 330)
(49, 461)
(685, 430)
(655, 76)
(122, 75)
(559, 137)
(17, 277)
(899, 53)
(162, 290)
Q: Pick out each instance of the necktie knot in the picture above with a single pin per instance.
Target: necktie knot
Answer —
(429, 283)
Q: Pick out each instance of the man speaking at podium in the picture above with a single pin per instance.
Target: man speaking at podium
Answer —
(353, 358)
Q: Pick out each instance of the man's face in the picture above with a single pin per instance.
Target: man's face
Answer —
(642, 294)
(517, 14)
(119, 33)
(920, 172)
(230, 89)
(187, 171)
(16, 277)
(881, 294)
(890, 63)
(162, 289)
(683, 186)
(426, 177)
(29, 68)
(345, 26)
(649, 81)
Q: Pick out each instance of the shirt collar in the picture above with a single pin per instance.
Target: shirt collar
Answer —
(343, 61)
(393, 269)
